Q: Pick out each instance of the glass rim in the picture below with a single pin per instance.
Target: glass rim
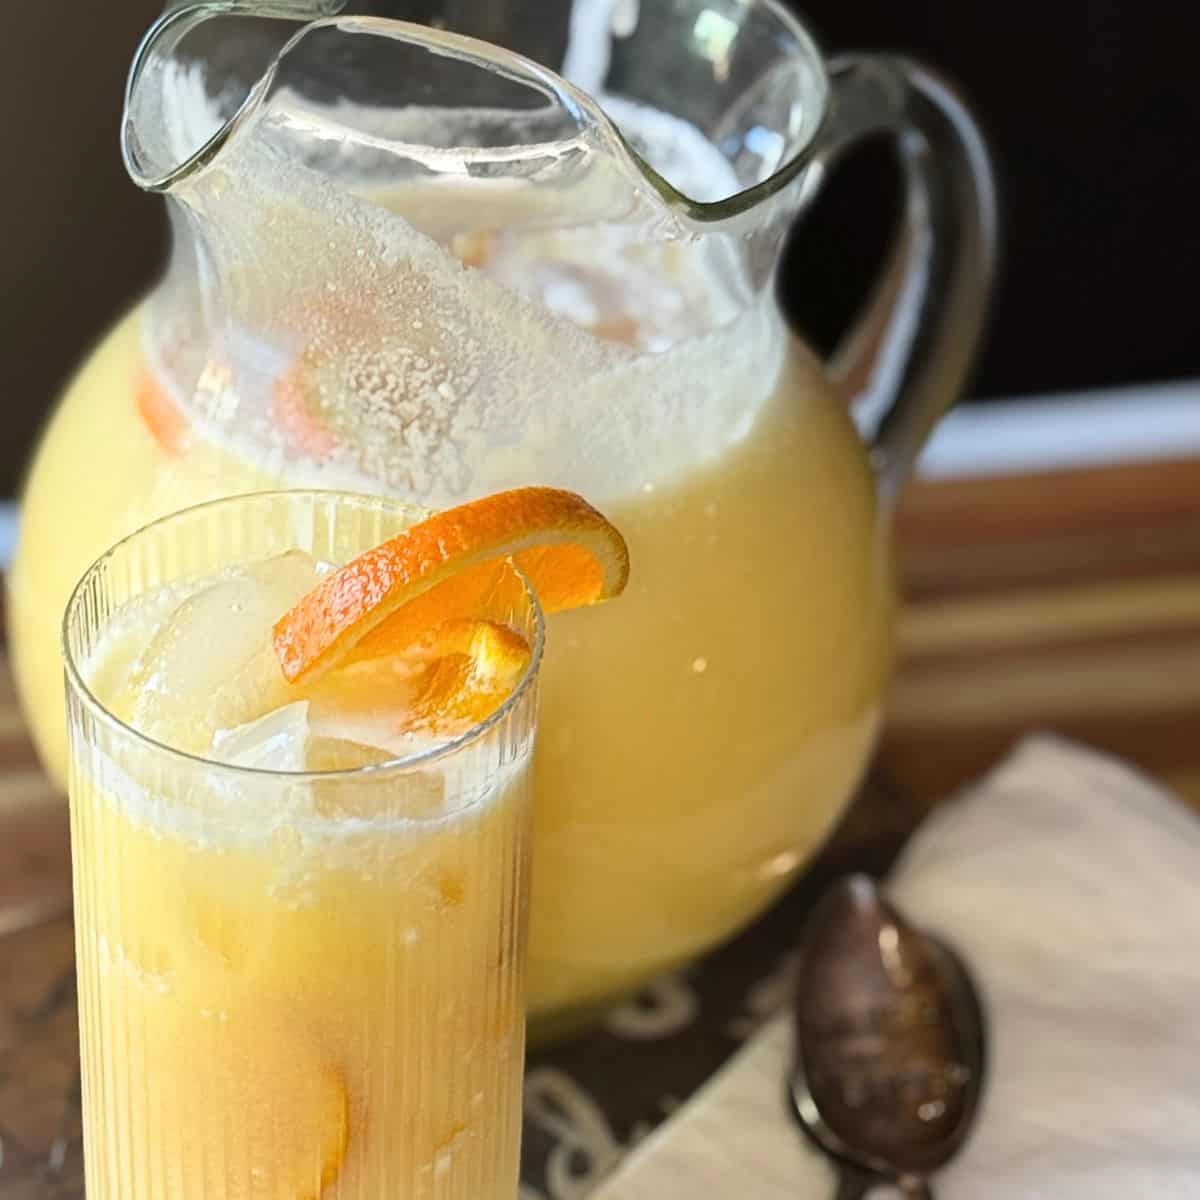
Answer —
(400, 765)
(326, 14)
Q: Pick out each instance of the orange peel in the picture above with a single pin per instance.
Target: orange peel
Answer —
(450, 678)
(292, 412)
(166, 424)
(443, 567)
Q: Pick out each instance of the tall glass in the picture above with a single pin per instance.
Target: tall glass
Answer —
(294, 985)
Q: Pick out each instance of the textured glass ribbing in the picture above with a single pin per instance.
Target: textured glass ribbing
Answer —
(294, 986)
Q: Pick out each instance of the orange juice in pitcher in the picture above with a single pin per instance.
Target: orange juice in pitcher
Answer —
(430, 263)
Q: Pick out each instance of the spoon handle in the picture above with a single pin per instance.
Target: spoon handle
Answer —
(854, 1184)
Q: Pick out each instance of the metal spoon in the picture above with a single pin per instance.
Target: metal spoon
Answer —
(890, 1054)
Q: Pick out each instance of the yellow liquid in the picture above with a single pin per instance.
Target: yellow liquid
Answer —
(699, 737)
(281, 1004)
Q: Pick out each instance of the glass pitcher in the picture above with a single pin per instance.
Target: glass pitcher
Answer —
(536, 242)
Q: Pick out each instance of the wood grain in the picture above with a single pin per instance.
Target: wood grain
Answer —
(1064, 600)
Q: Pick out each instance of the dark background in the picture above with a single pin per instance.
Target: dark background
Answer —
(1092, 107)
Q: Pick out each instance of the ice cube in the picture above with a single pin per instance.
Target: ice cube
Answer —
(275, 742)
(343, 754)
(211, 665)
(339, 743)
(376, 733)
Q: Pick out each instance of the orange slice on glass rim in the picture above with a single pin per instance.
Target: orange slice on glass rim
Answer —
(442, 568)
(448, 679)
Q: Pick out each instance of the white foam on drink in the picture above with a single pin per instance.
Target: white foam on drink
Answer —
(218, 808)
(454, 382)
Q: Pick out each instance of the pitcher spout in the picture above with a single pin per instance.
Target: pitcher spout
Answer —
(401, 252)
(715, 139)
(159, 151)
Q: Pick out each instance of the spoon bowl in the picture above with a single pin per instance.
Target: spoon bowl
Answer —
(890, 1046)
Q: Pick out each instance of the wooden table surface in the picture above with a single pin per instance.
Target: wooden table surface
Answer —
(1067, 600)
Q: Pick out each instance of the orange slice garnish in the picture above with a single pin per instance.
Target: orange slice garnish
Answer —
(159, 413)
(477, 666)
(571, 553)
(441, 682)
(473, 249)
(294, 412)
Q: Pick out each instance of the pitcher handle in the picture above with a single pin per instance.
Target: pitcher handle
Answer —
(909, 355)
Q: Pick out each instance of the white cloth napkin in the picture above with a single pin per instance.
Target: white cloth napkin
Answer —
(1072, 885)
